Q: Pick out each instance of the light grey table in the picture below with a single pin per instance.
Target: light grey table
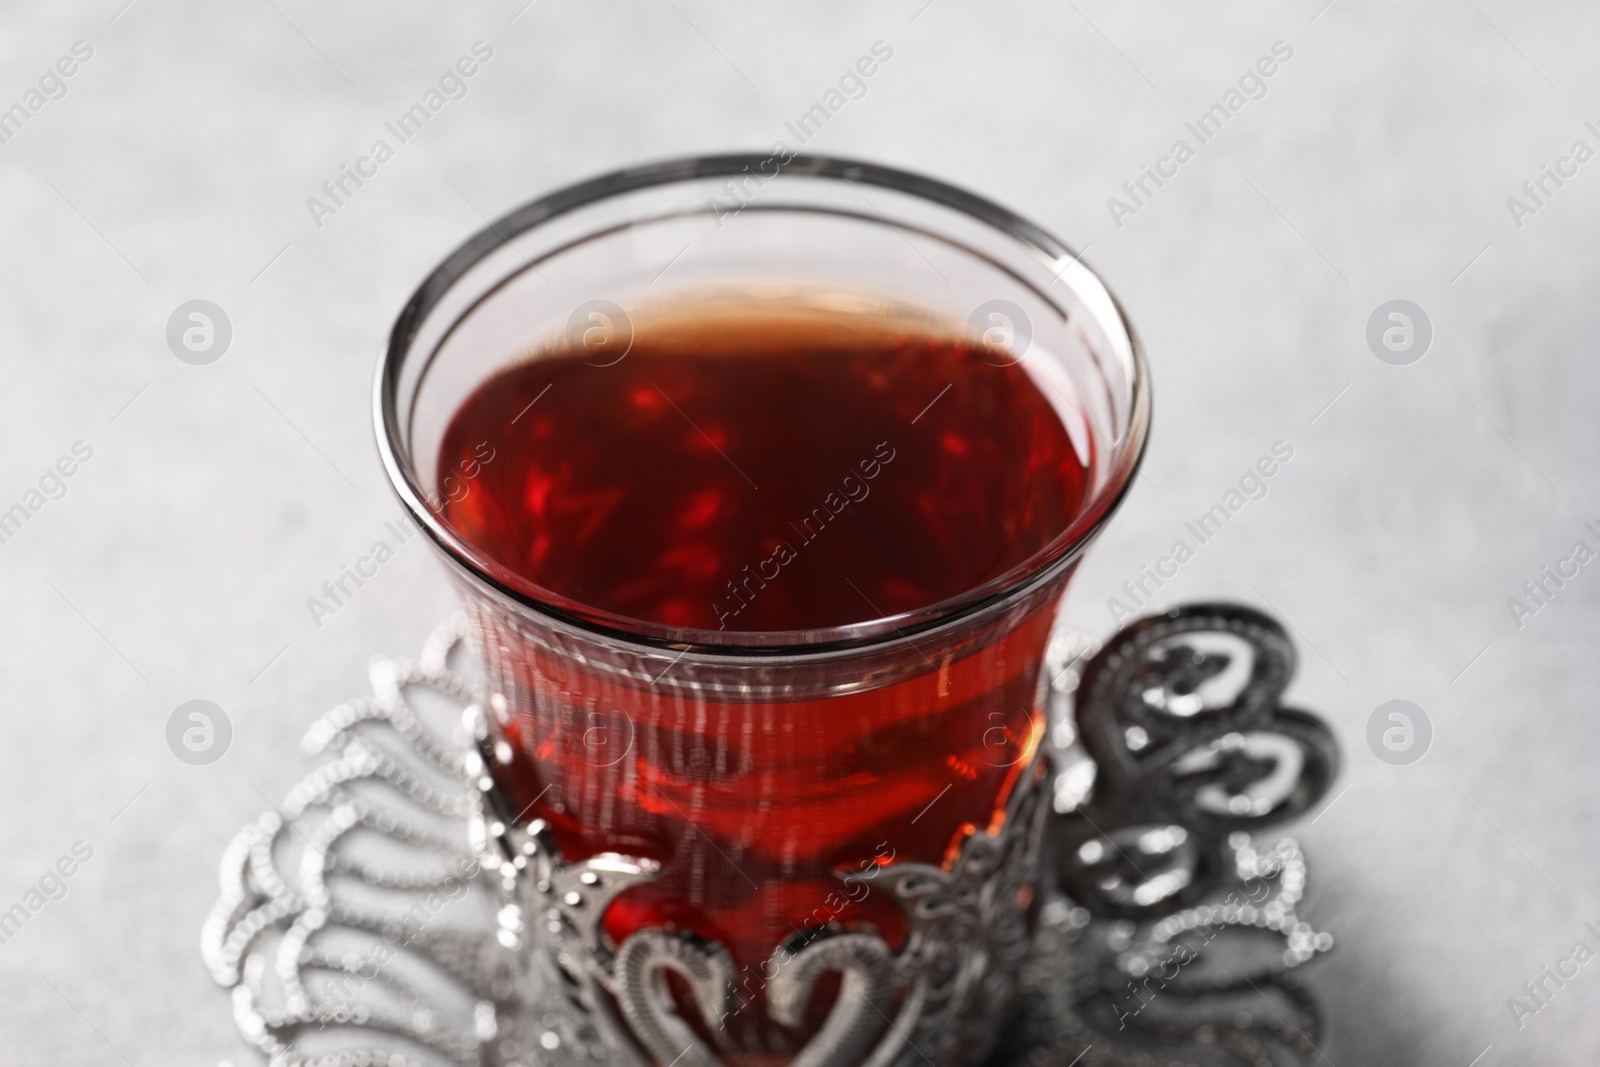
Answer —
(1376, 165)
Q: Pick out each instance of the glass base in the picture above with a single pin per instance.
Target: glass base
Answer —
(384, 914)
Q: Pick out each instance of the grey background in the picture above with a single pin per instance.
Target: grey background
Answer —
(1377, 167)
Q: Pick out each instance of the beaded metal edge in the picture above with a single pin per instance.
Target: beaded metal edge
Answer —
(374, 917)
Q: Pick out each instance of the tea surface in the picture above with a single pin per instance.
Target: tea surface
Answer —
(750, 470)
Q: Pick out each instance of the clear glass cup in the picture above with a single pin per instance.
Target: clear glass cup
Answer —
(856, 785)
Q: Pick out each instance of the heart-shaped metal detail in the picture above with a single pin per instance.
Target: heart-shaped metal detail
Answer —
(859, 1015)
(1182, 716)
(646, 1002)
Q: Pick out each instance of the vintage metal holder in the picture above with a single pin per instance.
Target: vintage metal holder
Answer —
(389, 913)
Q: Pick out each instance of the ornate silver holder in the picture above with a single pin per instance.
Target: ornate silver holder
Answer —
(380, 915)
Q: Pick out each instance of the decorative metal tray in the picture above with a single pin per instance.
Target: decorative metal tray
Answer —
(378, 915)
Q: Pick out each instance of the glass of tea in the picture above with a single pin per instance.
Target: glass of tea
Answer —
(761, 477)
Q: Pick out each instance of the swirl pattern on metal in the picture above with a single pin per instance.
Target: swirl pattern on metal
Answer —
(970, 930)
(1179, 739)
(388, 913)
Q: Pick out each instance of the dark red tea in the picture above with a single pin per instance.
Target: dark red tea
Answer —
(759, 468)
(750, 471)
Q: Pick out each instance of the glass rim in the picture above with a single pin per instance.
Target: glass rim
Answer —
(1063, 550)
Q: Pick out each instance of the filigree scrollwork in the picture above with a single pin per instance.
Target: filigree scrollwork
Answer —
(1177, 750)
(969, 932)
(1206, 986)
(640, 987)
(1180, 716)
(344, 926)
(864, 964)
